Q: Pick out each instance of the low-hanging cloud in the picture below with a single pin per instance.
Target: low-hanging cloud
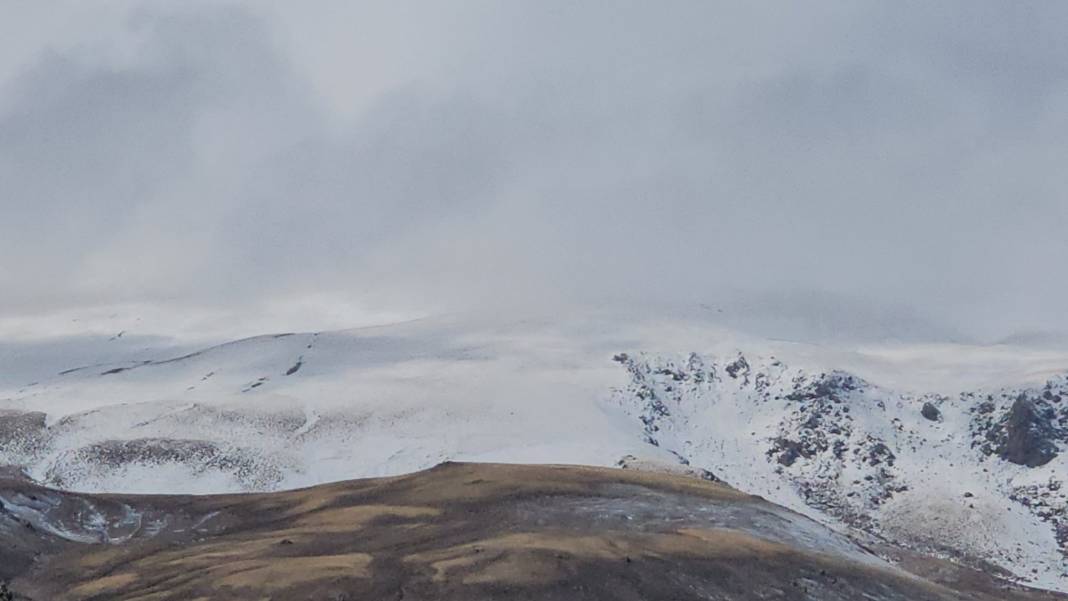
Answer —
(512, 154)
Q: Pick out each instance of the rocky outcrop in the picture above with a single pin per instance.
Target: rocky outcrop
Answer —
(930, 412)
(198, 456)
(1029, 434)
(848, 448)
(22, 434)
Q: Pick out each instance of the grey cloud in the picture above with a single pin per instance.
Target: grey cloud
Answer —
(524, 153)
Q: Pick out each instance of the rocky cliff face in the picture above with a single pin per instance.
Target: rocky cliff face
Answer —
(1028, 432)
(979, 476)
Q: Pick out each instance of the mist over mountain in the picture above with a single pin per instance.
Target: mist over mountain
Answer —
(499, 157)
(785, 283)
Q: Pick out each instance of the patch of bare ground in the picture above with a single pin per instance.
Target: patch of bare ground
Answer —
(486, 531)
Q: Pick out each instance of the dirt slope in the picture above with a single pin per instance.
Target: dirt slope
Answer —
(458, 531)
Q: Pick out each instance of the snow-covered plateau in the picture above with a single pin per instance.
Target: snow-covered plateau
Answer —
(959, 451)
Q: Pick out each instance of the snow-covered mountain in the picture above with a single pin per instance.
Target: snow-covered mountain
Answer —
(957, 451)
(290, 410)
(978, 476)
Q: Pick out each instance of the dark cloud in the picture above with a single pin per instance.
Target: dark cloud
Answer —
(515, 154)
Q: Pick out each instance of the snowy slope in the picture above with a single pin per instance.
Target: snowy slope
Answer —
(288, 410)
(952, 475)
(838, 434)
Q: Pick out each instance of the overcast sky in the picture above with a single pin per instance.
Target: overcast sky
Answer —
(431, 156)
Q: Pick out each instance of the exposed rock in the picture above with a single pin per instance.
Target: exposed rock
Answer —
(22, 434)
(296, 366)
(1028, 435)
(113, 456)
(740, 367)
(931, 412)
(847, 447)
(788, 451)
(683, 468)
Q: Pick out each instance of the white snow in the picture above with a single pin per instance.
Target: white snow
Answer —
(393, 399)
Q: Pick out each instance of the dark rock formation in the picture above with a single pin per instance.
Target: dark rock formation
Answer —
(931, 412)
(788, 451)
(1028, 435)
